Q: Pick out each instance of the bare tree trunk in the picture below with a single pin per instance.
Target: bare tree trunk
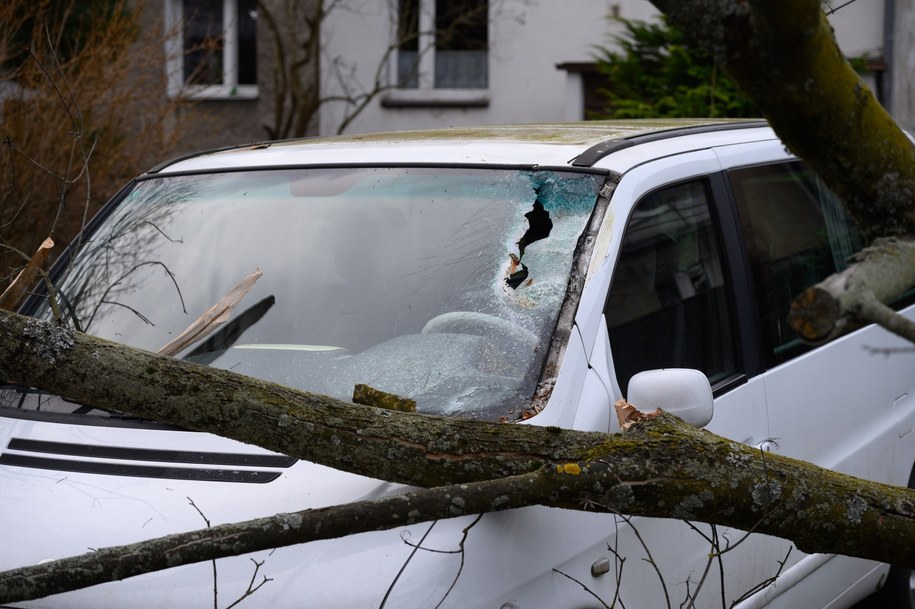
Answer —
(783, 54)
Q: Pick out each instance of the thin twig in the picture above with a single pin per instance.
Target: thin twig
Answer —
(841, 6)
(766, 582)
(251, 587)
(461, 566)
(584, 587)
(213, 562)
(649, 558)
(403, 567)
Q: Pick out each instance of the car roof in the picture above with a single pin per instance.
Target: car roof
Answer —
(584, 144)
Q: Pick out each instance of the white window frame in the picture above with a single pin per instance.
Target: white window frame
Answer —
(174, 53)
(425, 94)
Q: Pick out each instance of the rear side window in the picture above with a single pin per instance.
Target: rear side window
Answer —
(796, 233)
(668, 304)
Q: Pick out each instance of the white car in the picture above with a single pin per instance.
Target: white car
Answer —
(503, 273)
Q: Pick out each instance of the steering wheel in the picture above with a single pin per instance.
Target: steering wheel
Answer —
(479, 324)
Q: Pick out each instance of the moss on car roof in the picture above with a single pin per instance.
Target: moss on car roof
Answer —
(457, 144)
(558, 133)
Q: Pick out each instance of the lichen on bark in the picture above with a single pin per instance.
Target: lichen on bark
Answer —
(814, 100)
(661, 467)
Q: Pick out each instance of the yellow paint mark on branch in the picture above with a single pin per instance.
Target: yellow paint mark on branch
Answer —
(569, 468)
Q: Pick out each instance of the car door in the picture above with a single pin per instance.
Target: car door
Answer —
(846, 405)
(672, 302)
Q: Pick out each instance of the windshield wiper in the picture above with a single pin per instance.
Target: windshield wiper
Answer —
(212, 318)
(226, 336)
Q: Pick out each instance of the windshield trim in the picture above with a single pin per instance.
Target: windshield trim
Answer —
(380, 165)
(561, 334)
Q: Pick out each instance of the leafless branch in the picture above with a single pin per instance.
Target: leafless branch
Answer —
(584, 587)
(251, 587)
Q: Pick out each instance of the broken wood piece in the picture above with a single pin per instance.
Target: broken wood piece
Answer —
(628, 415)
(214, 317)
(843, 302)
(15, 293)
(369, 396)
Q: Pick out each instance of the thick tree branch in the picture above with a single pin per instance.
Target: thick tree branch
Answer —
(660, 467)
(824, 113)
(842, 302)
(813, 98)
(418, 449)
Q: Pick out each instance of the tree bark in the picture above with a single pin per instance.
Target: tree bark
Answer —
(407, 448)
(660, 467)
(845, 301)
(783, 54)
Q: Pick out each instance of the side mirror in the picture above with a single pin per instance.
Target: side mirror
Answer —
(680, 391)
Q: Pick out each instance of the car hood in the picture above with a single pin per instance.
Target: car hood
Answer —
(150, 476)
(68, 489)
(52, 510)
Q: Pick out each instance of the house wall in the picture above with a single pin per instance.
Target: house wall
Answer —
(903, 95)
(527, 40)
(215, 122)
(858, 27)
(859, 30)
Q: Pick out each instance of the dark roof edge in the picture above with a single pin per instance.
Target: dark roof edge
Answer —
(377, 164)
(250, 145)
(599, 151)
(191, 155)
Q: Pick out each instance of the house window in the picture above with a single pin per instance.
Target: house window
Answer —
(212, 48)
(461, 37)
(442, 52)
(408, 44)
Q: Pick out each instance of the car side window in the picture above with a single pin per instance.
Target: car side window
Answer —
(668, 306)
(796, 233)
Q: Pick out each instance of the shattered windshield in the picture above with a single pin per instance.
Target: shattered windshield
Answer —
(439, 285)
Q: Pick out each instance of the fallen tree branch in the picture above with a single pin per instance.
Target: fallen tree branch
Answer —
(419, 450)
(814, 100)
(826, 115)
(660, 467)
(845, 301)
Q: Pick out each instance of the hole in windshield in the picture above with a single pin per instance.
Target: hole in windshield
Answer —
(539, 226)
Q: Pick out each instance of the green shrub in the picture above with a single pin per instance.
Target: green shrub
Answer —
(657, 74)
